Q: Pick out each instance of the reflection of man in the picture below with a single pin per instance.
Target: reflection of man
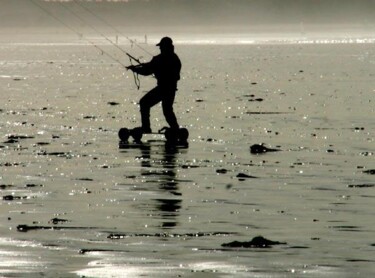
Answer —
(166, 67)
(163, 172)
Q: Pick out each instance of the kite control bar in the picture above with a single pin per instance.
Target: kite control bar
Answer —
(133, 58)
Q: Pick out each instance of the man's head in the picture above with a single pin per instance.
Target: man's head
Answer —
(166, 45)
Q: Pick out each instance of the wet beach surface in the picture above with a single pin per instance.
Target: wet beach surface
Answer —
(74, 203)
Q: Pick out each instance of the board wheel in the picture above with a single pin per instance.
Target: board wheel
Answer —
(124, 134)
(183, 134)
(136, 133)
(179, 135)
(170, 135)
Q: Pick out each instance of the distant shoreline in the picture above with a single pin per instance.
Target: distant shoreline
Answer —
(196, 41)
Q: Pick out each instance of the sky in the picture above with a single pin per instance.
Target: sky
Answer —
(193, 15)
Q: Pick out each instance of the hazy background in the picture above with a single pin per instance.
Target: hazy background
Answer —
(192, 16)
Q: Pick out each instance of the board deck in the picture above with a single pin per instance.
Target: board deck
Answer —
(178, 136)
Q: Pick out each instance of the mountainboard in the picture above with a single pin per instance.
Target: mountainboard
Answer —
(171, 135)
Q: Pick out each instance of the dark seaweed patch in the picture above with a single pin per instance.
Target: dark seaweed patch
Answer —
(12, 198)
(50, 245)
(19, 137)
(41, 143)
(11, 141)
(84, 251)
(347, 228)
(242, 177)
(221, 171)
(370, 172)
(33, 185)
(261, 149)
(189, 166)
(265, 113)
(9, 164)
(361, 185)
(256, 242)
(169, 235)
(57, 154)
(324, 189)
(251, 97)
(85, 179)
(359, 261)
(26, 228)
(58, 220)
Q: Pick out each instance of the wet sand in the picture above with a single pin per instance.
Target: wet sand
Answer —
(75, 204)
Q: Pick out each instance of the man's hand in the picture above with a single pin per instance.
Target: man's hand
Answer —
(131, 67)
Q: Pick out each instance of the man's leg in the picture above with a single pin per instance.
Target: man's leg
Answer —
(168, 112)
(146, 102)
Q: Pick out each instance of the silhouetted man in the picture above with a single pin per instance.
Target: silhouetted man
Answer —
(166, 68)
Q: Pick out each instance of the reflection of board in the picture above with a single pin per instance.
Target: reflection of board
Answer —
(171, 135)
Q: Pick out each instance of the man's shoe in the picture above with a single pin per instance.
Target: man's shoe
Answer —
(146, 130)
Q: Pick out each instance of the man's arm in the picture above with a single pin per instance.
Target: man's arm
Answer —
(142, 69)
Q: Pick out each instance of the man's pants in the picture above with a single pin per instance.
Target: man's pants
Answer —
(166, 97)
